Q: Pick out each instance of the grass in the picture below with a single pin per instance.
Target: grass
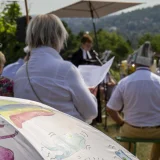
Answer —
(143, 149)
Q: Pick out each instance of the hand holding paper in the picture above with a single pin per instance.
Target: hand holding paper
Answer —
(93, 75)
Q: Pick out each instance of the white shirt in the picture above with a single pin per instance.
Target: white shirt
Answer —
(139, 93)
(58, 83)
(10, 70)
(86, 54)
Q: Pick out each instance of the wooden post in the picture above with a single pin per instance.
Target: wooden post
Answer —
(27, 14)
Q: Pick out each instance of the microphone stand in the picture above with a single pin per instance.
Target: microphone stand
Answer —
(105, 86)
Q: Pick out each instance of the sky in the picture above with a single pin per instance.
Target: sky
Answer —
(46, 6)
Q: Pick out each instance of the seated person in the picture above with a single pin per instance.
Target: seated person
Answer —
(6, 85)
(138, 95)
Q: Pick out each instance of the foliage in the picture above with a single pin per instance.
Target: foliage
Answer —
(11, 48)
(144, 38)
(72, 44)
(154, 39)
(117, 44)
(131, 25)
(115, 74)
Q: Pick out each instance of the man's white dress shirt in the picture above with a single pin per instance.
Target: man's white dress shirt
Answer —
(139, 93)
(58, 83)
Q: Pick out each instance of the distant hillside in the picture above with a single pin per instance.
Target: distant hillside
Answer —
(131, 24)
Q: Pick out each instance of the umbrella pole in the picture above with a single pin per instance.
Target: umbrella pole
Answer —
(94, 27)
(99, 117)
(27, 14)
(95, 34)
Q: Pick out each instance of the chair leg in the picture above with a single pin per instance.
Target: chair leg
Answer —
(135, 148)
(130, 146)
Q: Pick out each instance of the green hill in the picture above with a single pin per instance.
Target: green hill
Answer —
(131, 24)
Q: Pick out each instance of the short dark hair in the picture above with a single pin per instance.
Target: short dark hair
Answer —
(86, 39)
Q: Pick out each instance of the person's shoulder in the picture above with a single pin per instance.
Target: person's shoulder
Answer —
(77, 52)
(10, 65)
(21, 70)
(69, 68)
(68, 65)
(125, 80)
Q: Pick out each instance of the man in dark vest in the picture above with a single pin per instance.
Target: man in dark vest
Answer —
(83, 55)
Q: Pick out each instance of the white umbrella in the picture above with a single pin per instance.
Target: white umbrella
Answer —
(100, 8)
(31, 130)
(93, 9)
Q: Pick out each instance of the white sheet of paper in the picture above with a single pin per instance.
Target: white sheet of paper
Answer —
(93, 75)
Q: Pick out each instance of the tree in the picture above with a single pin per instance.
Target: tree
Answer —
(72, 44)
(144, 38)
(11, 48)
(154, 39)
(117, 44)
(156, 43)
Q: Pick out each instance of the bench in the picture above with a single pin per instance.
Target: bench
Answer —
(135, 140)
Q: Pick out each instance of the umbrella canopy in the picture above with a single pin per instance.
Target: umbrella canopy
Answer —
(93, 9)
(30, 130)
(100, 8)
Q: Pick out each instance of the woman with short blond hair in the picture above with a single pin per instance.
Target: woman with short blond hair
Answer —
(6, 85)
(47, 78)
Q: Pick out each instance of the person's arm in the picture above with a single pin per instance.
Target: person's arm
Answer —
(114, 105)
(115, 116)
(84, 101)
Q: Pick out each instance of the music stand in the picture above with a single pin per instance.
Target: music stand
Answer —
(105, 86)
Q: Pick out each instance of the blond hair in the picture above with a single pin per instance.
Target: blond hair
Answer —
(46, 30)
(2, 59)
